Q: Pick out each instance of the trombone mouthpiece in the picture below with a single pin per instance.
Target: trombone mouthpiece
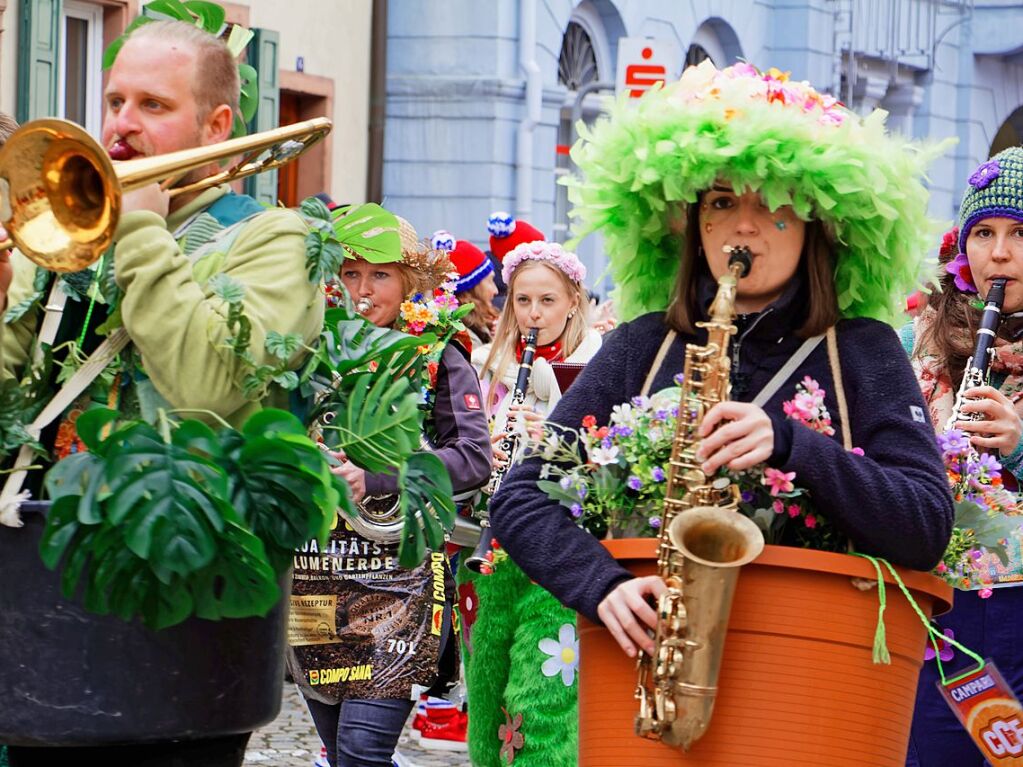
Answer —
(364, 305)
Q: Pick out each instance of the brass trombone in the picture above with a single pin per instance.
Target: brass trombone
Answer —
(60, 194)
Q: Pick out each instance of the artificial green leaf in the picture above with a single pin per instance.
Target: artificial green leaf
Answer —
(238, 39)
(283, 345)
(173, 9)
(239, 583)
(315, 208)
(380, 424)
(210, 15)
(412, 549)
(368, 231)
(227, 288)
(248, 98)
(110, 54)
(90, 426)
(425, 490)
(271, 422)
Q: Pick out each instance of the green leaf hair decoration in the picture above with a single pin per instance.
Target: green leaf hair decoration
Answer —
(211, 18)
(653, 156)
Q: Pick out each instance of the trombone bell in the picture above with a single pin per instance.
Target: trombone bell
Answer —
(60, 195)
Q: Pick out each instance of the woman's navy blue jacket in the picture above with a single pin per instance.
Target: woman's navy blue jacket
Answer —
(894, 501)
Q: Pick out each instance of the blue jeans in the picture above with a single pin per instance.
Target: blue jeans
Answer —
(992, 628)
(360, 733)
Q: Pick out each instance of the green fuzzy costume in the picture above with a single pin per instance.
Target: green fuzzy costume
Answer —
(761, 132)
(505, 670)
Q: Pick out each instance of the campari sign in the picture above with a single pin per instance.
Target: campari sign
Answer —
(644, 61)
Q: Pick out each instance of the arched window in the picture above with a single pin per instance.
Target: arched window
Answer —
(577, 64)
(696, 54)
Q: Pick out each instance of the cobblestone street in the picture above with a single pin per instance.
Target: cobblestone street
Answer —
(291, 741)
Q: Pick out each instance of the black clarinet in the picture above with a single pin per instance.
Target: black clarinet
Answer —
(478, 562)
(975, 373)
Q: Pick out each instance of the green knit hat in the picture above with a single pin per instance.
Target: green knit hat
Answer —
(764, 132)
(994, 189)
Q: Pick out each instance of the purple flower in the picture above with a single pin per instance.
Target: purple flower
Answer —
(747, 496)
(620, 431)
(985, 174)
(945, 651)
(565, 482)
(988, 463)
(655, 522)
(959, 267)
(606, 443)
(634, 482)
(678, 378)
(657, 473)
(641, 402)
(581, 492)
(661, 415)
(953, 442)
(577, 510)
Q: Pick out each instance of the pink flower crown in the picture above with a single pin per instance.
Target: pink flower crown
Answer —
(549, 252)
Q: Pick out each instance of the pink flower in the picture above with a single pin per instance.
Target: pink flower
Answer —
(985, 593)
(857, 451)
(793, 510)
(779, 481)
(778, 507)
(811, 521)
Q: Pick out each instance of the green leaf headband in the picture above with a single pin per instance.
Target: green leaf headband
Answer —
(210, 18)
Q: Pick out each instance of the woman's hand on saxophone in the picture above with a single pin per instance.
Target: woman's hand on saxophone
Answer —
(627, 614)
(737, 434)
(1000, 428)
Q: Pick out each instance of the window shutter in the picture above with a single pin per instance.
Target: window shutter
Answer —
(262, 54)
(38, 46)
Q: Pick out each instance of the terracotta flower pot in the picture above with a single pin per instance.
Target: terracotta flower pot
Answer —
(797, 684)
(72, 678)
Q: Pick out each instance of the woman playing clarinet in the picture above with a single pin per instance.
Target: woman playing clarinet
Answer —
(982, 254)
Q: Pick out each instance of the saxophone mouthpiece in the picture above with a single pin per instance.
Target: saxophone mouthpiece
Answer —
(740, 254)
(364, 306)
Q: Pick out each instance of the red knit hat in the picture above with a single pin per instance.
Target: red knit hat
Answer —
(506, 233)
(472, 264)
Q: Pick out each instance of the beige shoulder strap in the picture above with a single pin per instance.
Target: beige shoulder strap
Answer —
(836, 376)
(658, 361)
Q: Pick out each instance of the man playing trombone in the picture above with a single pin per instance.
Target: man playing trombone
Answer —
(182, 275)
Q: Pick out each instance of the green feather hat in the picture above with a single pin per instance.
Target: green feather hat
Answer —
(763, 132)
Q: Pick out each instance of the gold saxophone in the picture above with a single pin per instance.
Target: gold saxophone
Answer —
(703, 543)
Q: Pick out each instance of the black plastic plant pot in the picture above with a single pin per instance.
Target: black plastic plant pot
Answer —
(72, 678)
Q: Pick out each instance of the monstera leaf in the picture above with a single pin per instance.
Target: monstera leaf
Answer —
(181, 520)
(427, 502)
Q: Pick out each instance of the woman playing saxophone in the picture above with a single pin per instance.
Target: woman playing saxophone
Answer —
(672, 206)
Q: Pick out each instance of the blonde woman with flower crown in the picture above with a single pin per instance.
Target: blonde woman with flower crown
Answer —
(521, 643)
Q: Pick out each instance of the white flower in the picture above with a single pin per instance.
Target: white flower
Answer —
(550, 446)
(603, 456)
(621, 415)
(564, 654)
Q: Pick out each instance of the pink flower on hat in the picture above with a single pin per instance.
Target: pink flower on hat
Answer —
(549, 252)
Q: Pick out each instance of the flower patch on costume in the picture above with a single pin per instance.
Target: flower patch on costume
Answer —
(511, 739)
(564, 654)
(808, 408)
